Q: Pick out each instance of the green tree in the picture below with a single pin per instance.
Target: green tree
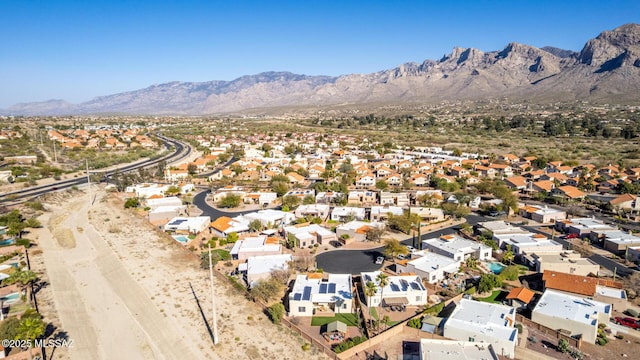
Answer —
(172, 190)
(383, 280)
(265, 290)
(374, 233)
(510, 273)
(276, 312)
(382, 185)
(393, 248)
(256, 225)
(290, 201)
(309, 199)
(508, 256)
(29, 330)
(280, 187)
(9, 328)
(488, 282)
(230, 200)
(232, 237)
(370, 289)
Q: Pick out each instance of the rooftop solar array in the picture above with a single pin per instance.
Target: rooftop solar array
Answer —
(332, 288)
(306, 295)
(323, 288)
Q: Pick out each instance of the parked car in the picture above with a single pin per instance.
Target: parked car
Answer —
(379, 260)
(572, 236)
(401, 256)
(411, 249)
(628, 322)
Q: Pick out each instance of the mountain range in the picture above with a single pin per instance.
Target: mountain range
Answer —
(607, 69)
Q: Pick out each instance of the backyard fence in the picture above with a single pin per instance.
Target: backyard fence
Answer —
(577, 343)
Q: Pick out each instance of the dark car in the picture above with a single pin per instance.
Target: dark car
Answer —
(628, 322)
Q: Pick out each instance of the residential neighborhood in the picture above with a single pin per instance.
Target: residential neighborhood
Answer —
(351, 247)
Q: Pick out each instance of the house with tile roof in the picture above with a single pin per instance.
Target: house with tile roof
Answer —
(625, 202)
(520, 297)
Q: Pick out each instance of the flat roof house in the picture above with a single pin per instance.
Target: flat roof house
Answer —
(430, 266)
(357, 230)
(260, 267)
(617, 241)
(484, 323)
(405, 289)
(342, 213)
(433, 349)
(566, 261)
(255, 246)
(315, 210)
(310, 235)
(314, 295)
(457, 248)
(600, 289)
(577, 315)
(187, 225)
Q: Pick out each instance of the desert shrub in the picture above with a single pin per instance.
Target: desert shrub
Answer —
(435, 309)
(276, 312)
(563, 345)
(131, 203)
(415, 323)
(349, 343)
(519, 327)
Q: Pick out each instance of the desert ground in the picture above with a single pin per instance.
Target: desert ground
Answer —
(122, 290)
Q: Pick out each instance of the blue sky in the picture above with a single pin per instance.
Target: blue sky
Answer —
(76, 50)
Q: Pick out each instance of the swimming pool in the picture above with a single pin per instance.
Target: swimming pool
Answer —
(11, 298)
(7, 242)
(496, 267)
(181, 239)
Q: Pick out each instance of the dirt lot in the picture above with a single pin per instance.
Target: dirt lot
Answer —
(119, 289)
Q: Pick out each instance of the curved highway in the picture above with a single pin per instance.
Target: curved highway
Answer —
(182, 151)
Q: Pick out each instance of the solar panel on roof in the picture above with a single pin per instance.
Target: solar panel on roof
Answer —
(306, 295)
(394, 287)
(332, 288)
(297, 296)
(415, 286)
(323, 288)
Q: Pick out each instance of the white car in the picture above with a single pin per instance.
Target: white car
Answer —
(379, 260)
(411, 249)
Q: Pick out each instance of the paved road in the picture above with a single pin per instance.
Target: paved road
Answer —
(200, 201)
(357, 261)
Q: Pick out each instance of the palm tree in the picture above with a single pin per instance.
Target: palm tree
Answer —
(24, 278)
(30, 329)
(383, 280)
(370, 290)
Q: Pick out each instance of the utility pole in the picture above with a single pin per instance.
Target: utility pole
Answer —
(88, 181)
(213, 301)
(55, 155)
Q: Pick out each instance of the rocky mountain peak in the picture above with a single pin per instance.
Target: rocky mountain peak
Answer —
(611, 45)
(606, 69)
